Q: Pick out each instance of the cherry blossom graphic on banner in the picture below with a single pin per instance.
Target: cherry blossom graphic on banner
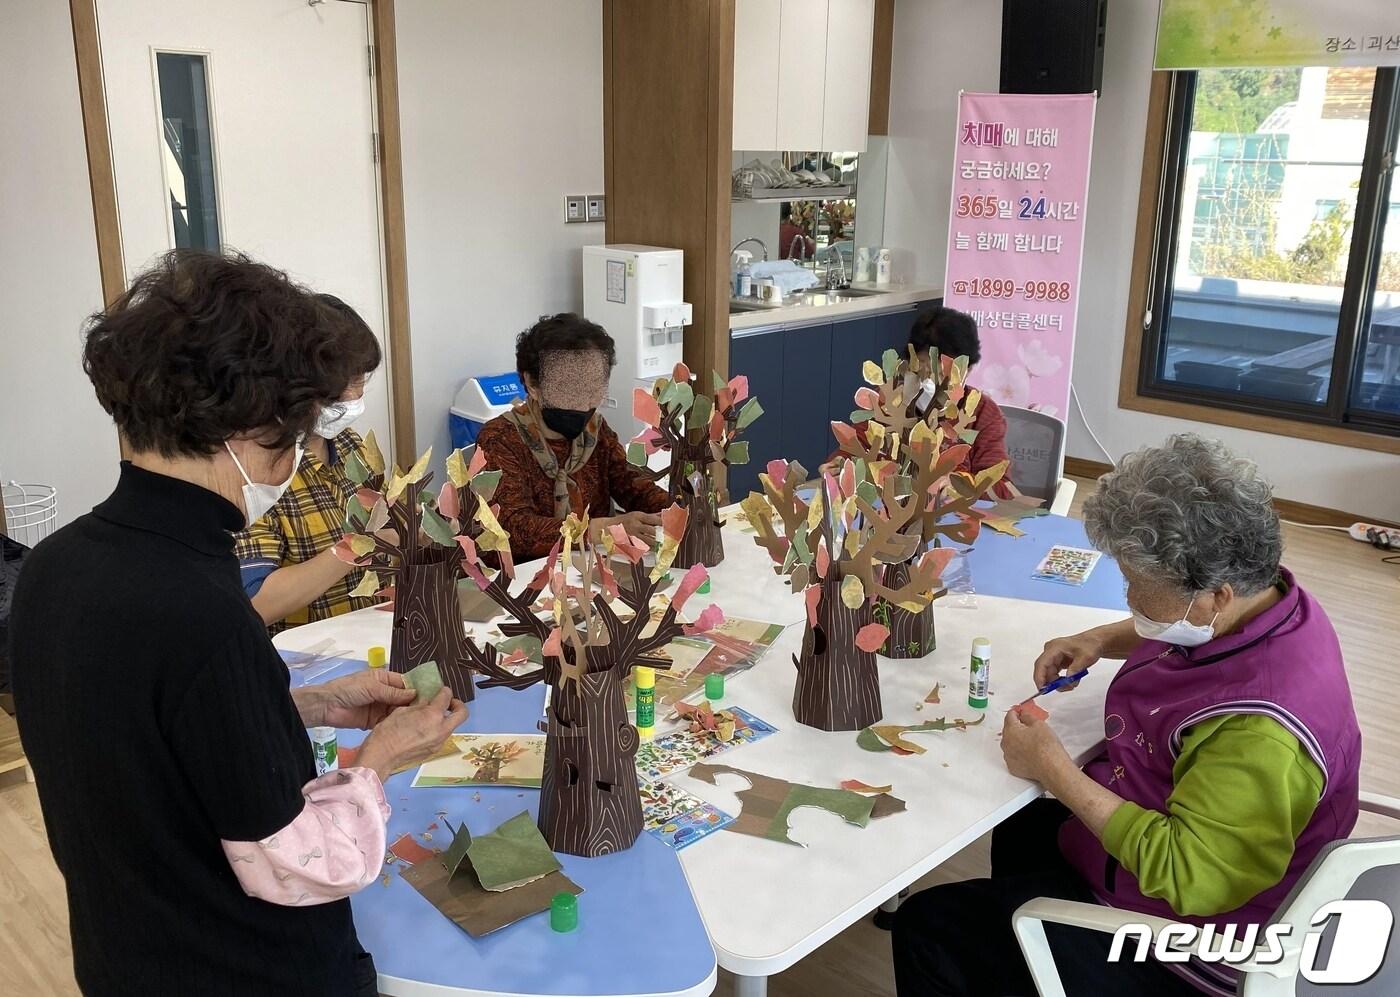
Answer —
(1016, 239)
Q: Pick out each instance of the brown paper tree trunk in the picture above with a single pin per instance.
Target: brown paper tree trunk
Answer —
(911, 634)
(589, 804)
(489, 771)
(702, 542)
(428, 622)
(838, 684)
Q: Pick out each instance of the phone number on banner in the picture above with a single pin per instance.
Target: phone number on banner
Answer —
(998, 287)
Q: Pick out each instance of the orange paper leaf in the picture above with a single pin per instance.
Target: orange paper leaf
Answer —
(872, 637)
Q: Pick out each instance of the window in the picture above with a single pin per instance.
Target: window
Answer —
(1276, 269)
(187, 150)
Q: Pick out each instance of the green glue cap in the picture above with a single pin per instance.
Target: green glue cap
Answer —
(563, 912)
(714, 686)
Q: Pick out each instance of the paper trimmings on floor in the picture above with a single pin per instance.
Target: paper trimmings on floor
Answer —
(768, 802)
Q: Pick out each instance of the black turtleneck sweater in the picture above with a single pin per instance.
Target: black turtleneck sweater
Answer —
(157, 718)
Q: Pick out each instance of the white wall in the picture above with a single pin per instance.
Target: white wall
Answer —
(502, 114)
(929, 69)
(52, 430)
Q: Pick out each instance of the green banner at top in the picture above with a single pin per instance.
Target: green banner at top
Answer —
(1201, 34)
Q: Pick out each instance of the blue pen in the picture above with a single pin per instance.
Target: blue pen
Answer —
(1060, 683)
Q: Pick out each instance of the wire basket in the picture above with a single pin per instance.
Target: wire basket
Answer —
(31, 511)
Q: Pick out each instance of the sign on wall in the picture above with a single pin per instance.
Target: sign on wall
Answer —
(1200, 34)
(1016, 239)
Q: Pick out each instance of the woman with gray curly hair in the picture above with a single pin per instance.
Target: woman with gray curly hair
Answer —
(1232, 749)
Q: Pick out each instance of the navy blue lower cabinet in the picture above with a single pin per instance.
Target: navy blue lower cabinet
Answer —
(760, 357)
(853, 342)
(806, 430)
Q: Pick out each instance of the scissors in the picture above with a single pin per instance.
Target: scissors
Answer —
(1058, 684)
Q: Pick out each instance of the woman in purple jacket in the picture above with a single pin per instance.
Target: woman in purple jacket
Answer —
(1231, 751)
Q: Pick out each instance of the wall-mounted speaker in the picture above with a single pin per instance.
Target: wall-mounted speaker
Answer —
(1052, 46)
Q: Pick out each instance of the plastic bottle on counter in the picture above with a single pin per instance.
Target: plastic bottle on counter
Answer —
(743, 274)
(882, 266)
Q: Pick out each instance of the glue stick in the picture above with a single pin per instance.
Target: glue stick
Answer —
(979, 676)
(646, 701)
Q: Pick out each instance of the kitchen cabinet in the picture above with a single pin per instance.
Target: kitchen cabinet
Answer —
(806, 430)
(802, 74)
(760, 356)
(852, 343)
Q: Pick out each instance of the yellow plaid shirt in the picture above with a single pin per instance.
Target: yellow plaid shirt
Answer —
(308, 519)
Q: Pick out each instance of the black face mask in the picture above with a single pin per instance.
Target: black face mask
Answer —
(567, 422)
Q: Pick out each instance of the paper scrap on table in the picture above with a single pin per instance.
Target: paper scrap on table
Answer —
(734, 646)
(1031, 709)
(856, 786)
(683, 748)
(346, 756)
(514, 854)
(677, 817)
(425, 680)
(884, 737)
(768, 802)
(477, 911)
(932, 697)
(486, 760)
(409, 850)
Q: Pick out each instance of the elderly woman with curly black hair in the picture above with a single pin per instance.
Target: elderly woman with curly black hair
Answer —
(201, 852)
(1232, 749)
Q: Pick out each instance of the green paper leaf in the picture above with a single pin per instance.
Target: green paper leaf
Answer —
(437, 528)
(484, 484)
(668, 393)
(903, 485)
(738, 452)
(512, 855)
(750, 411)
(457, 851)
(425, 680)
(355, 468)
(355, 514)
(528, 643)
(718, 381)
(683, 398)
(799, 544)
(890, 362)
(700, 411)
(636, 455)
(870, 741)
(861, 415)
(968, 436)
(868, 491)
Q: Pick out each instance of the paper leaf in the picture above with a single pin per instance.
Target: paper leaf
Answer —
(420, 467)
(457, 471)
(870, 741)
(716, 380)
(373, 458)
(378, 517)
(856, 786)
(800, 547)
(694, 578)
(872, 373)
(683, 398)
(553, 646)
(852, 592)
(512, 855)
(355, 513)
(1031, 711)
(813, 598)
(645, 407)
(739, 386)
(673, 520)
(932, 697)
(890, 361)
(872, 637)
(637, 454)
(425, 680)
(844, 434)
(449, 503)
(777, 473)
(867, 398)
(751, 411)
(711, 617)
(471, 562)
(701, 410)
(484, 484)
(457, 851)
(355, 468)
(868, 491)
(438, 529)
(738, 452)
(680, 373)
(369, 585)
(861, 415)
(823, 559)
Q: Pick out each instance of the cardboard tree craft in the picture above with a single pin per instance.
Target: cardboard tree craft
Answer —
(922, 440)
(589, 802)
(699, 431)
(425, 543)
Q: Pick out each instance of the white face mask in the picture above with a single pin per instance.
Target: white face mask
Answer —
(258, 498)
(1182, 633)
(336, 419)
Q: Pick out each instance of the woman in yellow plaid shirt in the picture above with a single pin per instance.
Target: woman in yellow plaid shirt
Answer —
(289, 569)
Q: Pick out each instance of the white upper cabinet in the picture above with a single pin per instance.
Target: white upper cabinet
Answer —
(756, 33)
(850, 35)
(802, 74)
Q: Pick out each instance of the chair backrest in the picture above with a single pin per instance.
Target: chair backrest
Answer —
(1357, 869)
(1036, 443)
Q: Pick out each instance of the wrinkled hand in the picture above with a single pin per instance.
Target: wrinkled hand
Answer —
(363, 699)
(641, 525)
(1030, 747)
(411, 734)
(1064, 656)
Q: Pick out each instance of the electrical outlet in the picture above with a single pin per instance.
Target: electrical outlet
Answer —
(597, 208)
(575, 208)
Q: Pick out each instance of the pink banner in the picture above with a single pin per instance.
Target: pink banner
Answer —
(1016, 239)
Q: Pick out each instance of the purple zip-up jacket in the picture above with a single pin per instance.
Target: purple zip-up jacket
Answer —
(1285, 664)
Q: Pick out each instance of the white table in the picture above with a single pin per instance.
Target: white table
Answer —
(956, 792)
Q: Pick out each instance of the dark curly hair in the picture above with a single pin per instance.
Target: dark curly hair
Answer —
(565, 332)
(362, 352)
(951, 332)
(205, 346)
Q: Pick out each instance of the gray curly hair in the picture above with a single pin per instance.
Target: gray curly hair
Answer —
(1190, 513)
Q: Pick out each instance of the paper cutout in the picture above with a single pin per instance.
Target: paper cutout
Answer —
(856, 786)
(514, 854)
(932, 697)
(477, 911)
(486, 760)
(369, 584)
(458, 849)
(883, 737)
(425, 680)
(407, 849)
(871, 637)
(768, 802)
(677, 817)
(683, 748)
(1032, 710)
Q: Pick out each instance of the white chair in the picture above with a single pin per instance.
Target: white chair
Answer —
(1357, 869)
(1036, 444)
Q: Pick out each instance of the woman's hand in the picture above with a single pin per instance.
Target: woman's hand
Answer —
(1065, 656)
(641, 525)
(359, 700)
(411, 734)
(1031, 748)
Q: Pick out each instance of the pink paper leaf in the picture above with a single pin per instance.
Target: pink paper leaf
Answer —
(823, 559)
(478, 462)
(693, 579)
(516, 657)
(872, 637)
(680, 374)
(605, 575)
(739, 384)
(553, 644)
(650, 440)
(645, 408)
(673, 521)
(814, 599)
(449, 502)
(471, 562)
(712, 617)
(848, 479)
(867, 398)
(844, 434)
(939, 558)
(777, 473)
(367, 497)
(716, 425)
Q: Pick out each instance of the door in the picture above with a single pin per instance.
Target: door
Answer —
(250, 124)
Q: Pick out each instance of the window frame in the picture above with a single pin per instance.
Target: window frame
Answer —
(1336, 420)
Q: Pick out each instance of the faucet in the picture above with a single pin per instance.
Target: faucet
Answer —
(833, 281)
(799, 242)
(751, 239)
